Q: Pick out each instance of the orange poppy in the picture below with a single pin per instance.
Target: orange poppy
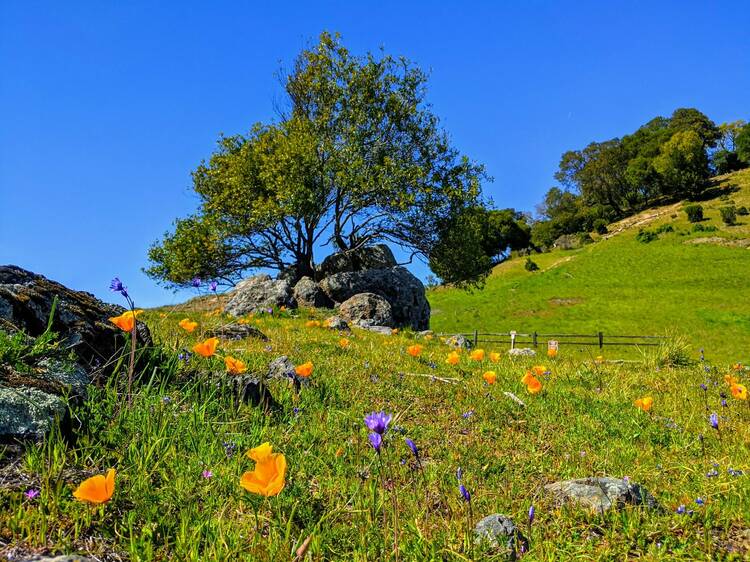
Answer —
(312, 324)
(534, 386)
(489, 377)
(343, 343)
(268, 478)
(737, 366)
(494, 356)
(188, 325)
(527, 377)
(304, 370)
(644, 403)
(551, 352)
(206, 348)
(414, 350)
(126, 320)
(97, 489)
(477, 355)
(453, 358)
(539, 370)
(428, 337)
(234, 366)
(730, 380)
(739, 391)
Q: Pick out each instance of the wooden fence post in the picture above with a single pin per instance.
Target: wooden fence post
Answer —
(601, 340)
(536, 343)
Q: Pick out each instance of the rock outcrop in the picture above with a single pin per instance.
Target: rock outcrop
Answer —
(308, 293)
(259, 291)
(378, 256)
(367, 309)
(601, 493)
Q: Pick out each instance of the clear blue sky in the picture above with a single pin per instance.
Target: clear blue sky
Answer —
(106, 107)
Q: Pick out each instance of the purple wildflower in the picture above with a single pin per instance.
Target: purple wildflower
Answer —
(207, 474)
(213, 286)
(413, 447)
(459, 474)
(700, 501)
(117, 286)
(376, 440)
(532, 512)
(714, 420)
(468, 414)
(31, 493)
(378, 422)
(704, 387)
(196, 282)
(681, 510)
(465, 493)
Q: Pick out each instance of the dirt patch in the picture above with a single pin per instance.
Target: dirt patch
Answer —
(719, 241)
(641, 219)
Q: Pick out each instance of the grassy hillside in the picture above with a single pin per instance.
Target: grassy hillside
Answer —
(180, 450)
(692, 283)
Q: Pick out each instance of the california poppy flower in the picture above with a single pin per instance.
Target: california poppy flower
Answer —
(739, 391)
(206, 348)
(343, 343)
(126, 320)
(527, 377)
(644, 403)
(477, 355)
(304, 370)
(494, 356)
(551, 352)
(489, 377)
(268, 478)
(539, 370)
(414, 350)
(453, 358)
(730, 380)
(187, 324)
(234, 366)
(533, 385)
(312, 324)
(97, 489)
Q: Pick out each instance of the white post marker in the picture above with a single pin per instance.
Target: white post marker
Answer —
(513, 339)
(553, 346)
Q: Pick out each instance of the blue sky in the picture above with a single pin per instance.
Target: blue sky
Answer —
(105, 108)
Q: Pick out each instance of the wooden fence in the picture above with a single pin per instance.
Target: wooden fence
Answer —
(533, 339)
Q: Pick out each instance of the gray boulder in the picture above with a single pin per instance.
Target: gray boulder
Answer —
(383, 330)
(81, 320)
(458, 342)
(378, 256)
(236, 332)
(367, 308)
(601, 493)
(250, 390)
(403, 291)
(498, 531)
(522, 352)
(283, 368)
(259, 291)
(336, 323)
(308, 293)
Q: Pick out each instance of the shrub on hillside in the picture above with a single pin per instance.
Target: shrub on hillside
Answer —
(706, 228)
(694, 213)
(664, 228)
(585, 238)
(646, 236)
(531, 265)
(729, 215)
(743, 212)
(600, 226)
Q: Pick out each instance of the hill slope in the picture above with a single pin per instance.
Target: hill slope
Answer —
(690, 283)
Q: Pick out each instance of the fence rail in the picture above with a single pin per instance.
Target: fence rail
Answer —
(599, 339)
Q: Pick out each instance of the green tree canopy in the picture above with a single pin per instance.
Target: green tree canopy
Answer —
(356, 157)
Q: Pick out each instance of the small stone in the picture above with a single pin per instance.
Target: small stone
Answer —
(383, 330)
(248, 389)
(458, 342)
(522, 352)
(283, 368)
(336, 323)
(499, 531)
(237, 332)
(602, 493)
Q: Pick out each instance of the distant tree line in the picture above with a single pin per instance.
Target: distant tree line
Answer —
(667, 159)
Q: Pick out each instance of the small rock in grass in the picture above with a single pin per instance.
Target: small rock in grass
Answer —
(283, 368)
(522, 352)
(458, 341)
(499, 532)
(602, 493)
(336, 323)
(237, 332)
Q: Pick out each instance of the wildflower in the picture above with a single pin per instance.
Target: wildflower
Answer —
(453, 358)
(468, 414)
(196, 282)
(31, 493)
(116, 286)
(376, 440)
(730, 380)
(489, 377)
(213, 286)
(414, 350)
(187, 325)
(644, 403)
(477, 355)
(700, 501)
(126, 320)
(532, 511)
(268, 478)
(378, 422)
(681, 510)
(527, 377)
(413, 447)
(739, 391)
(599, 359)
(494, 356)
(551, 353)
(207, 474)
(343, 343)
(464, 493)
(97, 489)
(312, 324)
(304, 370)
(234, 366)
(206, 348)
(539, 370)
(704, 387)
(737, 366)
(714, 420)
(711, 473)
(534, 386)
(229, 448)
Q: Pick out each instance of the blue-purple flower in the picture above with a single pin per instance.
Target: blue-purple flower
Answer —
(700, 501)
(413, 447)
(378, 422)
(532, 512)
(213, 286)
(31, 493)
(459, 473)
(681, 510)
(464, 493)
(116, 286)
(714, 420)
(376, 440)
(196, 282)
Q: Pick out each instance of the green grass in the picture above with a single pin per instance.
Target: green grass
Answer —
(624, 287)
(583, 423)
